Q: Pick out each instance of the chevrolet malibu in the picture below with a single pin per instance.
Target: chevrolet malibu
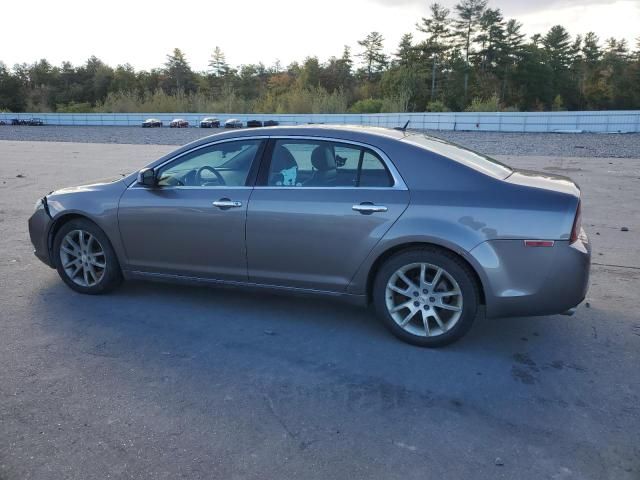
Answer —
(429, 233)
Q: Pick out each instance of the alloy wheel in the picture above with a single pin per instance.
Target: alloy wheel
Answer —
(423, 299)
(83, 258)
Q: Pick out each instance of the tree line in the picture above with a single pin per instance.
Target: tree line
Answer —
(466, 58)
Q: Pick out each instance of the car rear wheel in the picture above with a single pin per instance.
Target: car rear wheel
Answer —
(426, 297)
(85, 259)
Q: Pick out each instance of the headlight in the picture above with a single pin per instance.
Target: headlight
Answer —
(39, 204)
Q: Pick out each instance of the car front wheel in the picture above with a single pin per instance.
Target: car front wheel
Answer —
(85, 259)
(427, 297)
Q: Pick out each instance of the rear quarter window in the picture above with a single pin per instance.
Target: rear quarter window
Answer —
(477, 161)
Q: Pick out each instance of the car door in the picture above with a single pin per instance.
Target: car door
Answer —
(320, 206)
(193, 222)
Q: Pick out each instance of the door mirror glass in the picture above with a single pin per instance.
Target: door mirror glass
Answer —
(147, 177)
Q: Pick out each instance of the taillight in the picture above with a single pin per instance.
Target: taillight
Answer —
(577, 224)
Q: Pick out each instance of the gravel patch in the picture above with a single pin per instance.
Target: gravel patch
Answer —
(548, 144)
(491, 143)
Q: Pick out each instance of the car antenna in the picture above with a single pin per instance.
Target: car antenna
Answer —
(403, 129)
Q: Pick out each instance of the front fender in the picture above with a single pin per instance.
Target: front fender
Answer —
(98, 203)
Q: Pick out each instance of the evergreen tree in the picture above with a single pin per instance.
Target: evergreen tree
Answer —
(11, 94)
(469, 15)
(591, 49)
(218, 63)
(124, 79)
(335, 75)
(178, 74)
(559, 54)
(437, 27)
(309, 73)
(491, 38)
(620, 83)
(511, 54)
(557, 43)
(406, 55)
(372, 55)
(345, 61)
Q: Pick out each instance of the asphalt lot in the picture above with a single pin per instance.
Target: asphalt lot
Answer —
(164, 382)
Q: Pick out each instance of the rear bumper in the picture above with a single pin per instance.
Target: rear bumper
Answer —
(39, 226)
(523, 281)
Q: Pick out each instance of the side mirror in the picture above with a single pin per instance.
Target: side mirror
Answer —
(147, 177)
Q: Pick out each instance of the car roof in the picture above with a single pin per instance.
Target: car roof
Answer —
(315, 130)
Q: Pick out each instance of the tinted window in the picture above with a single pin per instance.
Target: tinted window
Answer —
(373, 173)
(317, 163)
(218, 165)
(477, 161)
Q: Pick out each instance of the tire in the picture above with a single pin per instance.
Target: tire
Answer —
(103, 272)
(437, 300)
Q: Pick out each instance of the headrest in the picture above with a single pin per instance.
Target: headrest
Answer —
(282, 159)
(322, 158)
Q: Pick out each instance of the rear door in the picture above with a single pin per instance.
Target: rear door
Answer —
(318, 209)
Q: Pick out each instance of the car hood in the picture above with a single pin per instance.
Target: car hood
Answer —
(545, 181)
(95, 185)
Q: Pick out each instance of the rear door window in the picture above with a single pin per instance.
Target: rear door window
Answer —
(320, 163)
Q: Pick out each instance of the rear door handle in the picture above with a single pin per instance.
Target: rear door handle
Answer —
(367, 208)
(225, 203)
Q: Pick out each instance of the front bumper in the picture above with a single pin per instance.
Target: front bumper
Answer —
(39, 227)
(524, 281)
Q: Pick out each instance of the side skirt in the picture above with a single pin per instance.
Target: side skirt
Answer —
(359, 300)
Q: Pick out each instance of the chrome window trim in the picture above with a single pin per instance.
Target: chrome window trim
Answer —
(192, 187)
(342, 187)
(398, 181)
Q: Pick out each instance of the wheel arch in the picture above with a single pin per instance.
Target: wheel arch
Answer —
(62, 220)
(416, 245)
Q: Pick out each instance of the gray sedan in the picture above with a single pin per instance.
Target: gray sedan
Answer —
(427, 232)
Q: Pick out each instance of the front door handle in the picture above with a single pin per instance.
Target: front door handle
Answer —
(367, 208)
(225, 203)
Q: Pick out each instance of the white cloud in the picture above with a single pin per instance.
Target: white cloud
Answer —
(619, 19)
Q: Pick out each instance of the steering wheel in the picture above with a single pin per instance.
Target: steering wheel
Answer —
(202, 181)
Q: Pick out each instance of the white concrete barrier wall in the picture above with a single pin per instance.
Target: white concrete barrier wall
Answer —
(602, 121)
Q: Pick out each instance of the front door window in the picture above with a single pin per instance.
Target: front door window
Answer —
(223, 164)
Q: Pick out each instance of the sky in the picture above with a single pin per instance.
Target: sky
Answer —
(252, 31)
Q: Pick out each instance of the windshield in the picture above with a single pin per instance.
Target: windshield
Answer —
(475, 160)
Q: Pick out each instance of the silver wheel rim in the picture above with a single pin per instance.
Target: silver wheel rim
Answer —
(424, 299)
(83, 258)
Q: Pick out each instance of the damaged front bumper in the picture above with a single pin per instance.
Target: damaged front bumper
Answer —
(39, 227)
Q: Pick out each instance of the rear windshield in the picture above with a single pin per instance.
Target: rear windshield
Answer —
(475, 160)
